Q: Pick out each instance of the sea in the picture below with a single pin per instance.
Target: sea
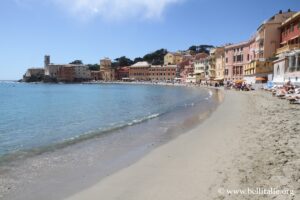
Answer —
(51, 135)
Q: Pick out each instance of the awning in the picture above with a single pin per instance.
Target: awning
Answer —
(284, 42)
(294, 37)
(261, 79)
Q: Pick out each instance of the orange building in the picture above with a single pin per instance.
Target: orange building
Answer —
(163, 73)
(139, 71)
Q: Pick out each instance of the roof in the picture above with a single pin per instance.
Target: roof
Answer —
(237, 45)
(174, 53)
(273, 19)
(141, 64)
(201, 55)
(68, 65)
(291, 19)
(162, 66)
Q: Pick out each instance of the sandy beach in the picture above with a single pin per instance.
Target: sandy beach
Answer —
(249, 144)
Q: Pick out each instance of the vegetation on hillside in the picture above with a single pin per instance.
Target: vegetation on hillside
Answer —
(154, 58)
(200, 48)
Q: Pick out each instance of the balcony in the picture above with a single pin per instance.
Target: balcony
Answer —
(287, 48)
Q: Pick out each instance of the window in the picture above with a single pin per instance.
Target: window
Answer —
(239, 58)
(292, 28)
(226, 60)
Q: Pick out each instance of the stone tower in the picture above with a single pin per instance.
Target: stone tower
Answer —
(107, 72)
(47, 60)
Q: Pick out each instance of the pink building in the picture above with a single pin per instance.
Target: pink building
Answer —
(236, 56)
(186, 68)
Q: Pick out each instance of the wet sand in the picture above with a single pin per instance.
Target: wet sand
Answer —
(59, 173)
(251, 141)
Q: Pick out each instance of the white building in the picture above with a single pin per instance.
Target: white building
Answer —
(52, 70)
(82, 72)
(293, 68)
(287, 68)
(279, 69)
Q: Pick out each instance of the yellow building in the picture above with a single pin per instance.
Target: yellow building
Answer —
(173, 58)
(106, 70)
(220, 63)
(257, 69)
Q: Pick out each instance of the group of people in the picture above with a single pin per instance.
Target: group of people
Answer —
(239, 85)
(287, 91)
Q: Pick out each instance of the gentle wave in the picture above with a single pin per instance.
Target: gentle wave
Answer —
(74, 140)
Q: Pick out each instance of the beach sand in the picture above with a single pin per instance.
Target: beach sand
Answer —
(251, 141)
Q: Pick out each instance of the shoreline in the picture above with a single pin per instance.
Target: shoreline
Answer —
(50, 165)
(231, 149)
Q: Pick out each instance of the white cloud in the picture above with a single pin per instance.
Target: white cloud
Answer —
(116, 9)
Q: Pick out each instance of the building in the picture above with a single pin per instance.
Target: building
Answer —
(51, 70)
(201, 68)
(290, 34)
(280, 66)
(236, 56)
(122, 73)
(82, 72)
(220, 63)
(262, 49)
(198, 56)
(54, 71)
(268, 35)
(191, 78)
(162, 73)
(34, 75)
(66, 74)
(257, 69)
(292, 72)
(96, 75)
(287, 65)
(173, 58)
(46, 60)
(186, 69)
(139, 71)
(107, 72)
(216, 54)
(35, 72)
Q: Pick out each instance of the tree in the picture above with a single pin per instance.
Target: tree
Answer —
(138, 59)
(94, 67)
(156, 57)
(201, 48)
(123, 61)
(76, 62)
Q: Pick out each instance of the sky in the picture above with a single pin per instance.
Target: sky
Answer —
(89, 30)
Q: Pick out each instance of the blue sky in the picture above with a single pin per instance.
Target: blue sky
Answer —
(91, 29)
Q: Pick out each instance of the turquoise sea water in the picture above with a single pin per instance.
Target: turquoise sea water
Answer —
(36, 116)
